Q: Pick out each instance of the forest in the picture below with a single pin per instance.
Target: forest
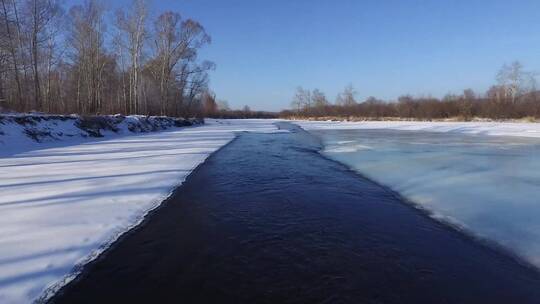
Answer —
(514, 96)
(87, 59)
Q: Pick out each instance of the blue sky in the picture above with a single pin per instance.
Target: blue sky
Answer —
(265, 49)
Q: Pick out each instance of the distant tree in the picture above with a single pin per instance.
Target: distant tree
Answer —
(469, 94)
(373, 107)
(246, 109)
(497, 102)
(406, 106)
(500, 101)
(223, 105)
(515, 80)
(318, 99)
(208, 100)
(466, 104)
(347, 97)
(301, 99)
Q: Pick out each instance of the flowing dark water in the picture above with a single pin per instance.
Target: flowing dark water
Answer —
(269, 220)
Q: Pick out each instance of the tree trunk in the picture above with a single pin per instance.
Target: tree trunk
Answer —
(14, 58)
(37, 91)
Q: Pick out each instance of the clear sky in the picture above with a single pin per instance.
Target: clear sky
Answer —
(264, 49)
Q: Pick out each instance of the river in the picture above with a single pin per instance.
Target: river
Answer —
(268, 219)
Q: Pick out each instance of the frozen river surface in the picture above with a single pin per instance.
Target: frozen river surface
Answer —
(488, 185)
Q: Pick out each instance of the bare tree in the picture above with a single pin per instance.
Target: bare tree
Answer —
(10, 43)
(301, 99)
(515, 80)
(347, 97)
(176, 44)
(41, 14)
(209, 104)
(319, 99)
(133, 26)
(88, 56)
(53, 53)
(223, 105)
(466, 104)
(83, 71)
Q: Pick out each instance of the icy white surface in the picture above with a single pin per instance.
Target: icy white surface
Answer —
(61, 206)
(48, 130)
(13, 137)
(488, 185)
(478, 128)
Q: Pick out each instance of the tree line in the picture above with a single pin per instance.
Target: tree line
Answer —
(514, 96)
(85, 59)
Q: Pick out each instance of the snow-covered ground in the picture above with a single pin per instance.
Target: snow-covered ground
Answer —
(487, 185)
(20, 132)
(63, 205)
(479, 128)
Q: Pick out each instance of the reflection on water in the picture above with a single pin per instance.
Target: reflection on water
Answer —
(489, 185)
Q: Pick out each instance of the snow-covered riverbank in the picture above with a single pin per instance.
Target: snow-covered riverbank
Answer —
(479, 128)
(63, 205)
(482, 177)
(22, 132)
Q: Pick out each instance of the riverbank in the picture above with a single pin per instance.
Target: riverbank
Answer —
(21, 132)
(279, 223)
(520, 129)
(65, 201)
(528, 119)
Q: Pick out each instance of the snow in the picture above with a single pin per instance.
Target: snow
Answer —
(486, 185)
(478, 128)
(63, 205)
(13, 138)
(50, 129)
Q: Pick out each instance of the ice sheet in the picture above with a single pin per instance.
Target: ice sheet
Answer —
(488, 185)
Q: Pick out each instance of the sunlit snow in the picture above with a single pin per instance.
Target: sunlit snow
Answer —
(62, 206)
